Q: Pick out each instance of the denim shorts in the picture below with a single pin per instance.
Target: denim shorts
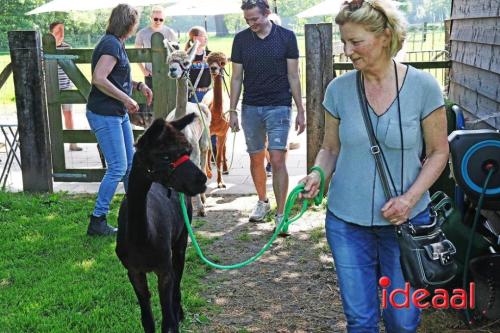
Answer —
(261, 121)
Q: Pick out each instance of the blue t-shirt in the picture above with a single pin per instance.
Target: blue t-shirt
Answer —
(99, 102)
(356, 194)
(264, 63)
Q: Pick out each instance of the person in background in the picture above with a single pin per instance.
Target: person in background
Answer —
(57, 29)
(199, 75)
(107, 110)
(406, 108)
(265, 60)
(143, 40)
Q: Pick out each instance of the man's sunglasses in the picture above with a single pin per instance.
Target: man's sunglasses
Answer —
(156, 19)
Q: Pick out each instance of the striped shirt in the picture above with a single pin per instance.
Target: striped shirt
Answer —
(64, 81)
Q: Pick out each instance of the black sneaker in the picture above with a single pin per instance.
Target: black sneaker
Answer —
(98, 226)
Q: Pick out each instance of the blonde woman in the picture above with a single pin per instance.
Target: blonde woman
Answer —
(406, 110)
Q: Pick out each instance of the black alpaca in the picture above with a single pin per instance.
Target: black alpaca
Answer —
(151, 233)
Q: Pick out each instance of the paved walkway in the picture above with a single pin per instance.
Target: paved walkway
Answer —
(238, 181)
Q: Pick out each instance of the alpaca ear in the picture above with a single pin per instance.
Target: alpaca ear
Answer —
(151, 134)
(169, 47)
(183, 122)
(192, 50)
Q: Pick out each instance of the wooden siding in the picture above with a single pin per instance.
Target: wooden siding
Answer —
(475, 56)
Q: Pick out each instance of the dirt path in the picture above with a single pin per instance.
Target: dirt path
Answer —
(291, 288)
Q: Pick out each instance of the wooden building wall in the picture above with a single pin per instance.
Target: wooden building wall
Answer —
(475, 55)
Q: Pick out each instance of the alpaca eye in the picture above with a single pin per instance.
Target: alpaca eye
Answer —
(223, 64)
(186, 63)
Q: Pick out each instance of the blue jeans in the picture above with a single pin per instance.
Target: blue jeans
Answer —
(199, 94)
(259, 121)
(114, 135)
(362, 255)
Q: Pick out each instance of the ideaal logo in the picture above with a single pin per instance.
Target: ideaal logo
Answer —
(440, 298)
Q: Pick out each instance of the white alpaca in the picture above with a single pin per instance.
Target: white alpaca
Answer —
(197, 132)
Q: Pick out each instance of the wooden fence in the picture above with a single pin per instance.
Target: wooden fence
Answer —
(163, 91)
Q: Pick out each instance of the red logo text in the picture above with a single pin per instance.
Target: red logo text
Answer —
(423, 299)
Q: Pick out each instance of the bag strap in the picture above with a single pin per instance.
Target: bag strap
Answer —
(374, 146)
(200, 73)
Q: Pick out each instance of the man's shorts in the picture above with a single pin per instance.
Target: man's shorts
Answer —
(259, 121)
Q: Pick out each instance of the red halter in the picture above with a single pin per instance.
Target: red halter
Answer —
(180, 160)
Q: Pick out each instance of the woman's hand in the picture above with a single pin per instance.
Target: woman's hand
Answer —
(397, 210)
(146, 91)
(312, 184)
(131, 105)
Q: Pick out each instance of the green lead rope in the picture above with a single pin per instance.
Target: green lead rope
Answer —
(283, 227)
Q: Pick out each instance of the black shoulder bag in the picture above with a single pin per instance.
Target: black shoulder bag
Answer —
(426, 255)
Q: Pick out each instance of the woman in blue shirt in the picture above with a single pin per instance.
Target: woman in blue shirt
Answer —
(107, 110)
(359, 221)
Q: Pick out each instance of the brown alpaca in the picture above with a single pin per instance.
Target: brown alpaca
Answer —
(219, 124)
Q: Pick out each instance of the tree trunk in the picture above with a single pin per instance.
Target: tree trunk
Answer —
(220, 26)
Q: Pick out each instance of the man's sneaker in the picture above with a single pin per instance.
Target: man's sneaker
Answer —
(269, 169)
(278, 218)
(98, 226)
(260, 211)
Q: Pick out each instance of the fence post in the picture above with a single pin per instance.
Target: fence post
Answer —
(319, 72)
(164, 89)
(26, 57)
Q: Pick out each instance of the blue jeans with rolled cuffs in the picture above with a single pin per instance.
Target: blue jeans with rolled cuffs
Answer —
(259, 121)
(362, 255)
(114, 135)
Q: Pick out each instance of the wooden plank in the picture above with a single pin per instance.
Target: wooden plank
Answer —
(71, 97)
(416, 64)
(138, 97)
(476, 8)
(164, 90)
(54, 105)
(86, 136)
(26, 56)
(78, 175)
(319, 73)
(484, 31)
(5, 74)
(76, 76)
(85, 55)
(480, 106)
(483, 82)
(483, 56)
(139, 55)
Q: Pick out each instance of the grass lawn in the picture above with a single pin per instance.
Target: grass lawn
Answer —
(54, 278)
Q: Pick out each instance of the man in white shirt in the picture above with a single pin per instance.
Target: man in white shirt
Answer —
(143, 40)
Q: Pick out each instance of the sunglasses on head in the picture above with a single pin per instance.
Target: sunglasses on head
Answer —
(156, 19)
(253, 2)
(356, 4)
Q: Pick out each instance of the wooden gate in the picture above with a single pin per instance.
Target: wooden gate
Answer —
(163, 92)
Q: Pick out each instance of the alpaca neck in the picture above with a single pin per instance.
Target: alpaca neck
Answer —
(137, 193)
(217, 103)
(181, 100)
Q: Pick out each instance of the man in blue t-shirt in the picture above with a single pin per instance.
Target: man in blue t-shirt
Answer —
(265, 60)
